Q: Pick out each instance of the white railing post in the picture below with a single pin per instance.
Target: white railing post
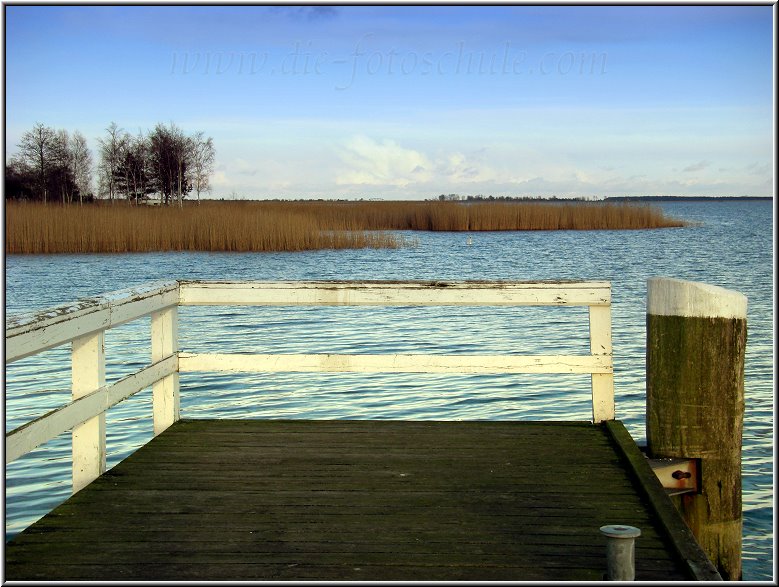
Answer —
(165, 393)
(602, 383)
(88, 438)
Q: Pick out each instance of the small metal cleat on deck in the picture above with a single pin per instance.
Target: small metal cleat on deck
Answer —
(620, 552)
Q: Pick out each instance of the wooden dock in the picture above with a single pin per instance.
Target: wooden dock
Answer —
(361, 500)
(337, 499)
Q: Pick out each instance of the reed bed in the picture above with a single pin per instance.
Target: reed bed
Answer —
(40, 228)
(292, 226)
(482, 216)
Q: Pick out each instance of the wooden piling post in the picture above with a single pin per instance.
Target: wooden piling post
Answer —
(696, 339)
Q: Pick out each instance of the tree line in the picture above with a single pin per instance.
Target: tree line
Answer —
(491, 198)
(56, 166)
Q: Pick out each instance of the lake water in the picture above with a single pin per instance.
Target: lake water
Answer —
(731, 245)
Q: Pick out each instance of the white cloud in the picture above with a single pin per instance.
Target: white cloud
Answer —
(757, 169)
(458, 167)
(384, 163)
(699, 166)
(219, 179)
(243, 167)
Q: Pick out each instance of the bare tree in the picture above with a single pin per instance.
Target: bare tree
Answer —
(161, 166)
(110, 156)
(180, 151)
(140, 150)
(62, 169)
(131, 174)
(36, 151)
(81, 160)
(169, 156)
(202, 157)
(103, 181)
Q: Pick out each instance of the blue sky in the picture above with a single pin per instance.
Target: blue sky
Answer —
(407, 102)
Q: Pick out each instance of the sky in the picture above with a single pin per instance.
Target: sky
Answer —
(408, 102)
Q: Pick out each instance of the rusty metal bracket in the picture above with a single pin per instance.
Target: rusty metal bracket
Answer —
(678, 476)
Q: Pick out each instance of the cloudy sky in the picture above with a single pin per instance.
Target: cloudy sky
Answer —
(406, 102)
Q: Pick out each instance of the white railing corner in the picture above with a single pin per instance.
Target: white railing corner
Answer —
(85, 322)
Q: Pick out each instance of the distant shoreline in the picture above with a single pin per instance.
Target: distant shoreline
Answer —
(525, 199)
(685, 198)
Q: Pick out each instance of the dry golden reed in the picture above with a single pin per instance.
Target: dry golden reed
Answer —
(291, 226)
(480, 215)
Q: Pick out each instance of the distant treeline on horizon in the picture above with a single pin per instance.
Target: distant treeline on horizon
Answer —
(481, 198)
(682, 198)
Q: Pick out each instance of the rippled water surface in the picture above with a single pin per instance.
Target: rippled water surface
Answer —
(730, 245)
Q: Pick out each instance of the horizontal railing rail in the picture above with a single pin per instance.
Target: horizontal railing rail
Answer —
(31, 333)
(395, 293)
(84, 323)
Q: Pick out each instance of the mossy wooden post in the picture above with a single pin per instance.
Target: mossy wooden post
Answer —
(696, 338)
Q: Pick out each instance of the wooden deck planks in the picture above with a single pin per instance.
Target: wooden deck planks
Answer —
(350, 500)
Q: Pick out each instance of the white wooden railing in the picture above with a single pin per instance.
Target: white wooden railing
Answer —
(84, 323)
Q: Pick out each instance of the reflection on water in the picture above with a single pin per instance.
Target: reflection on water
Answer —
(731, 248)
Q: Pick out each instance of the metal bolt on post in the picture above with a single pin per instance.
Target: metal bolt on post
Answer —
(620, 552)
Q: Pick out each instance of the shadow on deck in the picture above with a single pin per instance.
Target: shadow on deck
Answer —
(363, 500)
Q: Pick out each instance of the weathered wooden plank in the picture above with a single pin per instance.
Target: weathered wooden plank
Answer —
(394, 293)
(133, 303)
(30, 333)
(22, 440)
(553, 500)
(185, 427)
(400, 363)
(334, 529)
(549, 558)
(333, 460)
(54, 329)
(189, 430)
(315, 537)
(214, 550)
(360, 505)
(318, 485)
(300, 571)
(342, 445)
